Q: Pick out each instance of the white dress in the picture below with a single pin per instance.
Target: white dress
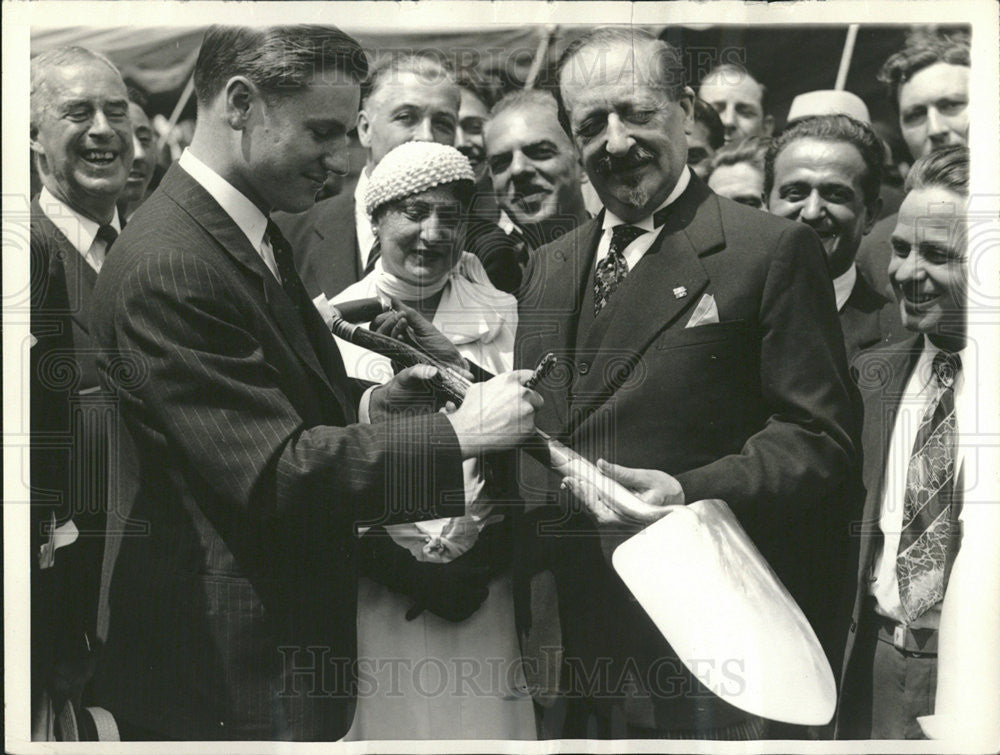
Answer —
(430, 678)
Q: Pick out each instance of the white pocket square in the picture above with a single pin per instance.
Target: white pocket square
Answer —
(705, 312)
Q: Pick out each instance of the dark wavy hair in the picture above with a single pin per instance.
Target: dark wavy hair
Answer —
(922, 51)
(277, 59)
(833, 128)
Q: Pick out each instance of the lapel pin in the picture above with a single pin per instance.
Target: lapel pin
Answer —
(680, 292)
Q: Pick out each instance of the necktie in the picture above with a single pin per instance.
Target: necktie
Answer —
(373, 255)
(285, 261)
(611, 270)
(107, 233)
(929, 536)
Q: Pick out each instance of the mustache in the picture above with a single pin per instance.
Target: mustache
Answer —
(609, 164)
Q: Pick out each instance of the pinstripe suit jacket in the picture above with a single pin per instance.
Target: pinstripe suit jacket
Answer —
(233, 616)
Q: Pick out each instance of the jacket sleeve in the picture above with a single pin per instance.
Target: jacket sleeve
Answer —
(198, 374)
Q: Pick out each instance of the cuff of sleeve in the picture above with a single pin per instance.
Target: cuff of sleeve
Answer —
(364, 416)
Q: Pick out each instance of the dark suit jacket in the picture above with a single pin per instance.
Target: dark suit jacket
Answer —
(69, 420)
(869, 319)
(325, 243)
(874, 253)
(233, 617)
(755, 409)
(881, 375)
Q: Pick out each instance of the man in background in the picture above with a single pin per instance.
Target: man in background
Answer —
(738, 172)
(81, 146)
(739, 99)
(705, 137)
(535, 170)
(825, 171)
(144, 155)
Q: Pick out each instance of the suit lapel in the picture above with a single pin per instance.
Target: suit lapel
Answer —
(79, 277)
(646, 304)
(190, 195)
(567, 269)
(891, 367)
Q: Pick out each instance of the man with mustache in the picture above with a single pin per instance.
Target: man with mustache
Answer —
(825, 171)
(694, 336)
(411, 96)
(536, 172)
(81, 146)
(928, 84)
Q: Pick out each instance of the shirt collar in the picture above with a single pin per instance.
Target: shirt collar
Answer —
(506, 224)
(843, 285)
(647, 224)
(78, 229)
(244, 213)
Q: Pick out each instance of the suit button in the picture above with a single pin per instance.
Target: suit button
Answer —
(584, 367)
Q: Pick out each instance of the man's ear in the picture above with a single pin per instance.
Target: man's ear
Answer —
(767, 125)
(686, 101)
(364, 128)
(33, 143)
(241, 97)
(872, 213)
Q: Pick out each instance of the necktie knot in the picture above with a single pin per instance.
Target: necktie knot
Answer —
(107, 233)
(622, 236)
(946, 366)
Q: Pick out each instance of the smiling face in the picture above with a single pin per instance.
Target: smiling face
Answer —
(408, 106)
(738, 100)
(536, 174)
(742, 182)
(629, 134)
(291, 142)
(144, 156)
(417, 235)
(819, 183)
(929, 265)
(82, 137)
(933, 108)
(472, 113)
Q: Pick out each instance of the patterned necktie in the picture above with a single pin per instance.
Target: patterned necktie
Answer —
(611, 270)
(928, 538)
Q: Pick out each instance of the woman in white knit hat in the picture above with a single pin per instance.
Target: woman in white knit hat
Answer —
(453, 670)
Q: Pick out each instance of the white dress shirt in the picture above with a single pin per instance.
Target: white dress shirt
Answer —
(634, 251)
(363, 223)
(843, 285)
(919, 392)
(235, 204)
(80, 230)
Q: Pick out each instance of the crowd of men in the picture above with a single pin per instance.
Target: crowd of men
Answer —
(193, 534)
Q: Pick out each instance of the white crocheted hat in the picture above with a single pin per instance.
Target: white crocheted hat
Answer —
(413, 167)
